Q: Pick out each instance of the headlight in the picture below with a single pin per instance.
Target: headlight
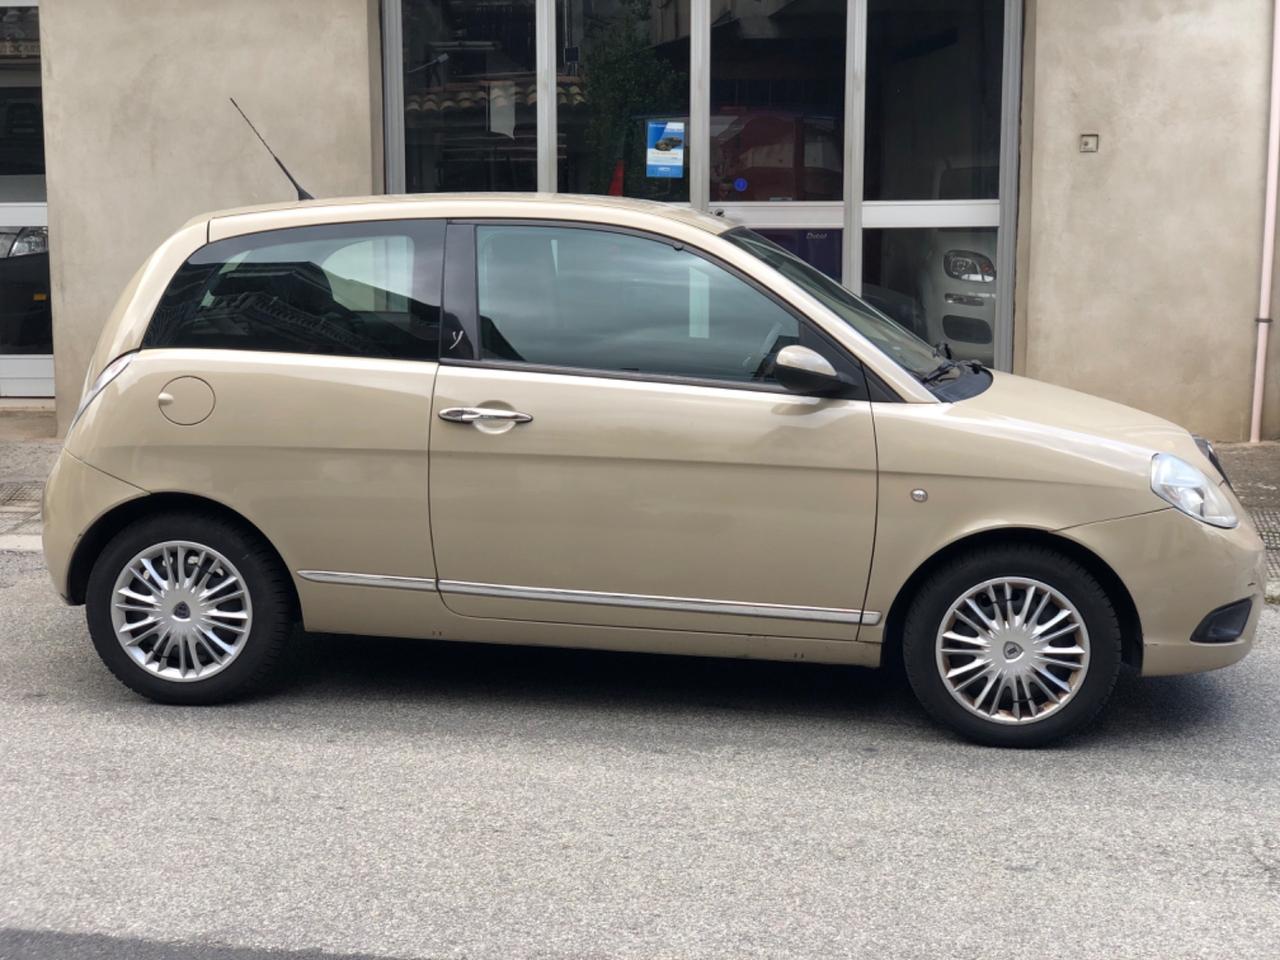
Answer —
(1190, 491)
(967, 265)
(113, 370)
(30, 240)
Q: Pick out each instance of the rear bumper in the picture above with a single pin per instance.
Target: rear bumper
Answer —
(76, 496)
(1178, 571)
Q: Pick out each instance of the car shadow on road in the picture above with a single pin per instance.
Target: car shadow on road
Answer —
(337, 668)
(20, 944)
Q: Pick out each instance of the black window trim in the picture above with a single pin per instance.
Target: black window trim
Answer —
(461, 305)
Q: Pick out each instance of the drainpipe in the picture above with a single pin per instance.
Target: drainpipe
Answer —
(1268, 233)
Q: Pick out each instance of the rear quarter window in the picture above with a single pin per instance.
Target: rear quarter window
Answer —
(352, 290)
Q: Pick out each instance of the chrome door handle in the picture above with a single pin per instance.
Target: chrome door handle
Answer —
(473, 414)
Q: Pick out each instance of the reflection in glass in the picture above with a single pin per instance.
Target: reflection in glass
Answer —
(25, 326)
(933, 99)
(21, 117)
(25, 322)
(599, 300)
(818, 248)
(777, 100)
(622, 71)
(349, 290)
(939, 283)
(470, 105)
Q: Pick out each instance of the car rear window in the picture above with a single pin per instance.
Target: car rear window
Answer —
(359, 290)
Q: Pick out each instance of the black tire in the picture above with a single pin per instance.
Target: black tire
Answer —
(948, 583)
(270, 594)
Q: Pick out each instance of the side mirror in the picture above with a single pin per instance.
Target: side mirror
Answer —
(803, 370)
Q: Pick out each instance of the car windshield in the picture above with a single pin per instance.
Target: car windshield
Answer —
(903, 346)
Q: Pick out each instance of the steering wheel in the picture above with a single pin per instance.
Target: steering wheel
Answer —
(758, 359)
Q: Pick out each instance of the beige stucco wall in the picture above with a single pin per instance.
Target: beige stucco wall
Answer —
(140, 136)
(1141, 272)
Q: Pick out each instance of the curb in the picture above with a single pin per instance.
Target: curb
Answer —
(20, 543)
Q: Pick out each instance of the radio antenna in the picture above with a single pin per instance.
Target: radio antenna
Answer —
(302, 194)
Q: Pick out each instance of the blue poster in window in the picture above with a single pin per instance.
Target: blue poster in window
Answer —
(664, 153)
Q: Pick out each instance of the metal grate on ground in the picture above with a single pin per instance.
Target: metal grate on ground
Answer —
(20, 494)
(1267, 520)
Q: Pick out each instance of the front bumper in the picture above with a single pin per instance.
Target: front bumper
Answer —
(1178, 571)
(76, 496)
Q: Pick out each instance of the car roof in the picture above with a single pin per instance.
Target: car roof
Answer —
(560, 206)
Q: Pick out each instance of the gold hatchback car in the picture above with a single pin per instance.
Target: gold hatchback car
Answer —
(589, 422)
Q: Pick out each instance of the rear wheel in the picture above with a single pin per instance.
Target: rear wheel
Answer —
(188, 608)
(1012, 646)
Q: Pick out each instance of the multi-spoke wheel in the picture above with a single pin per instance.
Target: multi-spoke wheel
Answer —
(181, 610)
(188, 608)
(1012, 650)
(1012, 646)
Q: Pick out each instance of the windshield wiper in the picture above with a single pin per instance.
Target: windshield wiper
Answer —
(940, 371)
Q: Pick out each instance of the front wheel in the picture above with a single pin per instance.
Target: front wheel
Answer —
(188, 608)
(1012, 646)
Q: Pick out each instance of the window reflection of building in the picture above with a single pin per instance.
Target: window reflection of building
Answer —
(469, 96)
(777, 99)
(25, 320)
(620, 64)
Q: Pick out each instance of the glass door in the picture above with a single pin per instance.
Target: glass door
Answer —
(26, 335)
(877, 139)
(935, 116)
(777, 123)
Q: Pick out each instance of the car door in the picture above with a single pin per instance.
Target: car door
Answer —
(608, 447)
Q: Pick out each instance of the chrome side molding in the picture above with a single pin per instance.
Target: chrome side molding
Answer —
(777, 611)
(642, 601)
(367, 580)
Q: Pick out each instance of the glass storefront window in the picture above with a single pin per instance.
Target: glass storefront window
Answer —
(774, 152)
(25, 326)
(938, 283)
(622, 82)
(818, 248)
(777, 100)
(25, 322)
(470, 106)
(933, 99)
(21, 110)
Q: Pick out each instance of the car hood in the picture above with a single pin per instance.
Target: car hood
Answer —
(1072, 421)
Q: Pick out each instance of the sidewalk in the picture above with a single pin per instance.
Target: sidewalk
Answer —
(27, 451)
(1254, 470)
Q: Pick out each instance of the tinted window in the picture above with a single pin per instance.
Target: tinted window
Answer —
(599, 300)
(357, 290)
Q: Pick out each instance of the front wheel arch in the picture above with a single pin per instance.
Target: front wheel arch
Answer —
(95, 539)
(1117, 592)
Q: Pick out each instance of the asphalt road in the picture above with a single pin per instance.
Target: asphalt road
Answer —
(401, 799)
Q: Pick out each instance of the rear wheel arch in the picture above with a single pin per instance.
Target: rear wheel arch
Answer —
(1117, 592)
(96, 538)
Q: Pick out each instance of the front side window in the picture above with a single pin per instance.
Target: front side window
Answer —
(599, 300)
(356, 290)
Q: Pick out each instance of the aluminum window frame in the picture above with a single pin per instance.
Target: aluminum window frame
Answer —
(25, 374)
(847, 215)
